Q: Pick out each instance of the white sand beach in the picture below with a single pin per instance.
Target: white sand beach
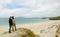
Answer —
(43, 29)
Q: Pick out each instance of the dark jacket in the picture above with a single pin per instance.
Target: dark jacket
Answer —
(10, 21)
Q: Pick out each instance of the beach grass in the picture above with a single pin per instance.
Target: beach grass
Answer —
(23, 32)
(29, 32)
(58, 30)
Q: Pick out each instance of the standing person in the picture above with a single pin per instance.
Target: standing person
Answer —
(10, 24)
(14, 24)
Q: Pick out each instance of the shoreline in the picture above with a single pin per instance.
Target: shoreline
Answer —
(30, 23)
(24, 23)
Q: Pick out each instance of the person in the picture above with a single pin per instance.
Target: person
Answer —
(10, 24)
(14, 24)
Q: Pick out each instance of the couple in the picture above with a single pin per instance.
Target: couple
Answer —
(12, 24)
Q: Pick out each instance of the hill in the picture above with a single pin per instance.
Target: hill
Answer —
(55, 18)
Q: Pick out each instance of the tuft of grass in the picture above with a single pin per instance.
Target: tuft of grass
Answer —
(28, 31)
(42, 31)
(5, 33)
(58, 26)
(56, 35)
(37, 36)
(58, 30)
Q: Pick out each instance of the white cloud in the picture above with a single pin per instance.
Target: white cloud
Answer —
(44, 10)
(38, 8)
(14, 12)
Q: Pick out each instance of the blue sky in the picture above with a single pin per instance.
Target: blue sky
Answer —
(29, 8)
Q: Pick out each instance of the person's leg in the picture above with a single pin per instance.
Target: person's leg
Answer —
(9, 28)
(13, 28)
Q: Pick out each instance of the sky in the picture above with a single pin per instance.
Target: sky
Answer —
(29, 8)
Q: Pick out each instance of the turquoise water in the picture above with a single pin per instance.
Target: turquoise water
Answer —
(4, 21)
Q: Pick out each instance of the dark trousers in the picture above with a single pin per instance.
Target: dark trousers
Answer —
(10, 26)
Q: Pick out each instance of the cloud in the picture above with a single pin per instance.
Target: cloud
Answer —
(14, 12)
(29, 8)
(44, 10)
(14, 6)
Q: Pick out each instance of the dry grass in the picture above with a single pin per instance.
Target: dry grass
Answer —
(28, 31)
(58, 30)
(23, 32)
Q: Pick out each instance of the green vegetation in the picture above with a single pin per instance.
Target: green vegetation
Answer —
(23, 32)
(56, 35)
(29, 32)
(58, 30)
(37, 36)
(55, 18)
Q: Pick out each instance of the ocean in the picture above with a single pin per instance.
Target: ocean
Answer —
(4, 21)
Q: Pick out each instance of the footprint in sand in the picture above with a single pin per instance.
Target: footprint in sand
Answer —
(51, 26)
(43, 31)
